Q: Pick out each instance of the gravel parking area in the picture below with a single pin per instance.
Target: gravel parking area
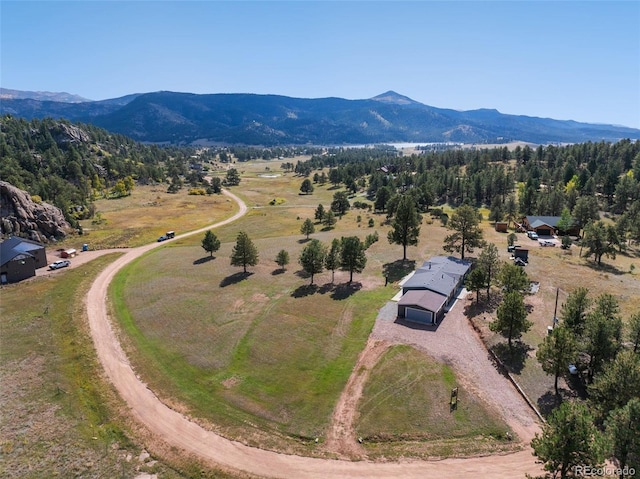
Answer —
(455, 342)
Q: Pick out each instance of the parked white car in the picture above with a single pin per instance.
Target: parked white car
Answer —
(533, 235)
(61, 263)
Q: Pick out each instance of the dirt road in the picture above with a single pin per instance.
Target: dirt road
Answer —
(177, 430)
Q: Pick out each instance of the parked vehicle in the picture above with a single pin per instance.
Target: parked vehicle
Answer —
(61, 263)
(162, 238)
(546, 243)
(533, 235)
(170, 234)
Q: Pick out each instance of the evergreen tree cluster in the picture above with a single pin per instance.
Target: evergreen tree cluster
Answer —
(580, 180)
(70, 165)
(591, 336)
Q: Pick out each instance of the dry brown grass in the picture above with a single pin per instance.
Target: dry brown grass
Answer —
(148, 213)
(563, 271)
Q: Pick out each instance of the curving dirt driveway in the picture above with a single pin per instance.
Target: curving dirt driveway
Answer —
(178, 431)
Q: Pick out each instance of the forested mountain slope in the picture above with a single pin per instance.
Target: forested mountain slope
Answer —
(252, 119)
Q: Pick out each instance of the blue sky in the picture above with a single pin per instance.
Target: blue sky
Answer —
(558, 59)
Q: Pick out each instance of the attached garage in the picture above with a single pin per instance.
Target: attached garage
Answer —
(425, 307)
(418, 315)
(544, 230)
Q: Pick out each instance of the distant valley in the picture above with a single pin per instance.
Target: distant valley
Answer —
(268, 120)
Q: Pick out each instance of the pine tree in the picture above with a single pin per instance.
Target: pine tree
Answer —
(405, 225)
(467, 233)
(568, 439)
(306, 187)
(329, 219)
(332, 260)
(210, 242)
(352, 256)
(557, 350)
(312, 258)
(340, 203)
(511, 317)
(244, 252)
(282, 259)
(307, 228)
(489, 262)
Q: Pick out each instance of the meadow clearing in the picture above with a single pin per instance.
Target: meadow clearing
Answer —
(263, 357)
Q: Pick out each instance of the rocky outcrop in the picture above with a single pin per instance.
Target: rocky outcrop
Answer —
(65, 133)
(21, 216)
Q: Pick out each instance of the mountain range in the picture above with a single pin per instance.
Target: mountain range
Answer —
(267, 120)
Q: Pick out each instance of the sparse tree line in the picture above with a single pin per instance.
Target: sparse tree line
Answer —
(346, 253)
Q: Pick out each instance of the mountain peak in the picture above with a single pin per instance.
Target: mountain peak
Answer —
(394, 98)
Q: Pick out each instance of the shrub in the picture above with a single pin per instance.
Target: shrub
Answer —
(197, 191)
(370, 239)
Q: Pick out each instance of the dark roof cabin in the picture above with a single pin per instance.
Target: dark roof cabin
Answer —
(19, 259)
(547, 225)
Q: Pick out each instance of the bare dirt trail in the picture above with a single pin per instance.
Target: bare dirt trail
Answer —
(341, 438)
(176, 430)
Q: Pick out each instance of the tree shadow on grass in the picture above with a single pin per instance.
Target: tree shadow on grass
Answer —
(514, 358)
(304, 240)
(204, 259)
(548, 402)
(344, 290)
(302, 274)
(398, 269)
(604, 268)
(475, 309)
(278, 271)
(235, 278)
(305, 290)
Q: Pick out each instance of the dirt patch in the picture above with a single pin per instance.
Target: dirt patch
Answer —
(259, 298)
(231, 382)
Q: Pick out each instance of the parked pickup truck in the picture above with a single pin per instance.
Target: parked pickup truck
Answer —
(61, 263)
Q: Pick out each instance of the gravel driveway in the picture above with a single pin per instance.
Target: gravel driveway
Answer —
(455, 342)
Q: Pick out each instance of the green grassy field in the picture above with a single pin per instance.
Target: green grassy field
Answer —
(405, 408)
(60, 419)
(60, 422)
(261, 350)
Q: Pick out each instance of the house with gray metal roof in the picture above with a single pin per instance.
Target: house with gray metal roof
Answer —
(432, 288)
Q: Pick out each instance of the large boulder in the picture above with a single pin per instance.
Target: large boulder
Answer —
(21, 216)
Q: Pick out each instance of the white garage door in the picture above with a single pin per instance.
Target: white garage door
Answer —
(418, 315)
